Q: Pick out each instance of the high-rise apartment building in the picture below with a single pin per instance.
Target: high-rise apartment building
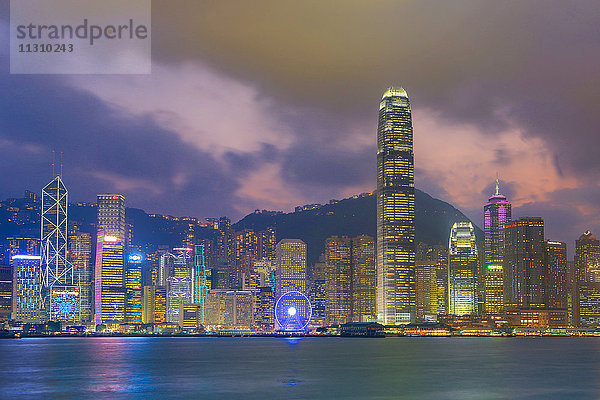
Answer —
(109, 286)
(111, 215)
(395, 210)
(556, 284)
(290, 267)
(496, 213)
(525, 271)
(462, 269)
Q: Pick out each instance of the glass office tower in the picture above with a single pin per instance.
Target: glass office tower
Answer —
(395, 210)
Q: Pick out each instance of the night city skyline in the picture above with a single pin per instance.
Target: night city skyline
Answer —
(205, 199)
(303, 133)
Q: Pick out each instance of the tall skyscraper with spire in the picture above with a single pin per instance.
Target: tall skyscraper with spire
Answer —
(59, 296)
(496, 213)
(395, 210)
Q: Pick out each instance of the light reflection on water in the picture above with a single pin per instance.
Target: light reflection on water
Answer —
(320, 368)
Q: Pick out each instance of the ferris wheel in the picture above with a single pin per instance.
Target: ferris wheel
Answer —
(293, 311)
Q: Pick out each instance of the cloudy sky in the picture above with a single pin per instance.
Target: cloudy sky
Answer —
(271, 104)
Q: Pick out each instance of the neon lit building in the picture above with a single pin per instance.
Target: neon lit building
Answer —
(108, 278)
(525, 264)
(462, 270)
(496, 213)
(395, 210)
(201, 280)
(27, 281)
(55, 269)
(133, 288)
(178, 267)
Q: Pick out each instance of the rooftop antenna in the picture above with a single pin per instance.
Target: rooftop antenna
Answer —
(497, 184)
(61, 165)
(53, 162)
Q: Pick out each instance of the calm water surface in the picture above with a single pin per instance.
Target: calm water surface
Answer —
(308, 368)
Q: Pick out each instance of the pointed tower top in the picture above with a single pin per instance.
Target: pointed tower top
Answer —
(395, 91)
(497, 185)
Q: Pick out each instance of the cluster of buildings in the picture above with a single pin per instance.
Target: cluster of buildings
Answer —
(248, 281)
(514, 277)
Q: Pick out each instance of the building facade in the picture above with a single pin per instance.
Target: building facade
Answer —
(557, 287)
(109, 289)
(111, 215)
(6, 291)
(525, 271)
(133, 288)
(462, 270)
(395, 210)
(27, 282)
(290, 266)
(496, 213)
(59, 296)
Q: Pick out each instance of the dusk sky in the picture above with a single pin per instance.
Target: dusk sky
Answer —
(274, 104)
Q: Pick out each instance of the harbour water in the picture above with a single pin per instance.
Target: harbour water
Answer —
(306, 368)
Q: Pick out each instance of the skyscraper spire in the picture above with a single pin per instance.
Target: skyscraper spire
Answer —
(497, 185)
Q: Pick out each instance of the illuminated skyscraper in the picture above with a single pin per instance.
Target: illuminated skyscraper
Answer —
(201, 284)
(27, 281)
(290, 266)
(108, 279)
(524, 264)
(80, 252)
(349, 280)
(556, 263)
(586, 296)
(426, 287)
(395, 210)
(111, 215)
(364, 279)
(179, 266)
(59, 295)
(133, 288)
(462, 270)
(496, 213)
(338, 280)
(587, 258)
(6, 291)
